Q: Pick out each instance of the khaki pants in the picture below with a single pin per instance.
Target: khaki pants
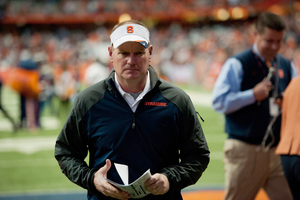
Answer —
(249, 168)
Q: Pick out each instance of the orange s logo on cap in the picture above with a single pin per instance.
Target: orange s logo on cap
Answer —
(129, 29)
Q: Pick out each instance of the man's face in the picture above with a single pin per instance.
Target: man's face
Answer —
(269, 42)
(130, 61)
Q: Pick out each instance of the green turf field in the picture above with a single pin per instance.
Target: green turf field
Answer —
(34, 170)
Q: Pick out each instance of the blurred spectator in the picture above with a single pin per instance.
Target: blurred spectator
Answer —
(95, 72)
(296, 59)
(26, 82)
(289, 145)
(6, 114)
(47, 88)
(180, 69)
(215, 69)
(66, 89)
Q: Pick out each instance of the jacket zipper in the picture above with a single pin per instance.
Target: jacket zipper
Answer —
(133, 121)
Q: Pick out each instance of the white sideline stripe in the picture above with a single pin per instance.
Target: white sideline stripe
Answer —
(199, 98)
(32, 145)
(35, 144)
(21, 163)
(27, 145)
(48, 123)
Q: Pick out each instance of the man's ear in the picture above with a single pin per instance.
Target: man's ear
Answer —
(110, 52)
(150, 49)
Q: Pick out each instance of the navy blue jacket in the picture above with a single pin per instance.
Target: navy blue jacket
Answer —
(164, 134)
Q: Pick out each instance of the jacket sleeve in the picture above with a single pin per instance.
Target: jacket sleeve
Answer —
(71, 150)
(194, 152)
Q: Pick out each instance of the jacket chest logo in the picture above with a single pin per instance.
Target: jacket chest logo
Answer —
(160, 104)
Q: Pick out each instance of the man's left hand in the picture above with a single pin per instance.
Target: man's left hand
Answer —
(278, 101)
(157, 184)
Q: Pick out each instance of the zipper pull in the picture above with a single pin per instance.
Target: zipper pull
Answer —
(133, 122)
(200, 116)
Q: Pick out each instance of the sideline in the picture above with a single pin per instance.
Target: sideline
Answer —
(40, 143)
(200, 98)
(49, 123)
(193, 195)
(28, 145)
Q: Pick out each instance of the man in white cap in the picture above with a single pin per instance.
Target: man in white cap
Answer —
(136, 119)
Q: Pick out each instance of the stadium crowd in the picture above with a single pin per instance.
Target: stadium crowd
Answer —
(184, 53)
(114, 6)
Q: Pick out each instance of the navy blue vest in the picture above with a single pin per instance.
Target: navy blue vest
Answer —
(250, 123)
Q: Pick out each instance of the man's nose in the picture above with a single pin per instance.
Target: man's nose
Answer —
(131, 59)
(275, 45)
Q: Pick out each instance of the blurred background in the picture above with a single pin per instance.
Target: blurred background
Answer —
(191, 38)
(52, 49)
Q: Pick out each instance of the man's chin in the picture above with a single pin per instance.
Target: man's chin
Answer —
(271, 55)
(131, 76)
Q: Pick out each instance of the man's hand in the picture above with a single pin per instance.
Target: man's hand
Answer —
(278, 102)
(105, 187)
(262, 89)
(157, 184)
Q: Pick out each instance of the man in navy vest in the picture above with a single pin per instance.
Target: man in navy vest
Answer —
(246, 92)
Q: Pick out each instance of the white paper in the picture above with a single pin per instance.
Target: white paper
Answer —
(137, 188)
(123, 172)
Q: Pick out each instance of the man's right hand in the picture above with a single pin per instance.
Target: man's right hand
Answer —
(105, 187)
(262, 89)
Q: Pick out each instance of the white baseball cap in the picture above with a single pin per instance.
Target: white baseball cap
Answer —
(130, 33)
